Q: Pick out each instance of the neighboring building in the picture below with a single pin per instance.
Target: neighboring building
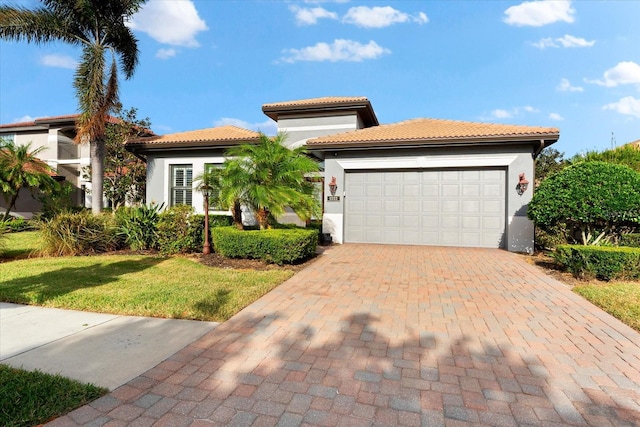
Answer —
(420, 181)
(65, 157)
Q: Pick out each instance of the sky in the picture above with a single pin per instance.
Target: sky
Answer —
(574, 65)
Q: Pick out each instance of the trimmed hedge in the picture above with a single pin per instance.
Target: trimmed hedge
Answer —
(279, 246)
(602, 262)
(631, 240)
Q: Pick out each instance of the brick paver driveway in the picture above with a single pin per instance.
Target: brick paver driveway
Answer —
(397, 335)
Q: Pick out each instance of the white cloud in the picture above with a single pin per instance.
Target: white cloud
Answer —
(501, 114)
(166, 53)
(59, 61)
(555, 116)
(566, 41)
(339, 50)
(268, 127)
(565, 86)
(173, 22)
(624, 73)
(628, 105)
(380, 17)
(310, 16)
(24, 119)
(539, 13)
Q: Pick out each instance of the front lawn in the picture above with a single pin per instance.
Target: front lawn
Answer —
(18, 245)
(137, 285)
(33, 398)
(621, 300)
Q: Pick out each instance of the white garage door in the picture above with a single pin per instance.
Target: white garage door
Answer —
(464, 207)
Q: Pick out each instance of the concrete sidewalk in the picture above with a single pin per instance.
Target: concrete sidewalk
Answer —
(103, 349)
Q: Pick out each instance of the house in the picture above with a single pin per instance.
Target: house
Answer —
(65, 157)
(420, 181)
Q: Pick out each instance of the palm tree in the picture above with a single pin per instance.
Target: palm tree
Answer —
(21, 168)
(98, 26)
(223, 191)
(270, 177)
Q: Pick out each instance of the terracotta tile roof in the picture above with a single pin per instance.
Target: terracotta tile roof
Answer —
(360, 104)
(433, 131)
(326, 100)
(211, 136)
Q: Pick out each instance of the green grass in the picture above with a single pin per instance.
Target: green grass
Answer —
(621, 300)
(19, 245)
(138, 285)
(32, 398)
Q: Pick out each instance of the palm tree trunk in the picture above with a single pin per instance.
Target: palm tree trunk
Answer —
(97, 174)
(263, 218)
(236, 214)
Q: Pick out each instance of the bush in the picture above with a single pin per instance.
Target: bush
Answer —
(602, 262)
(219, 220)
(180, 230)
(595, 200)
(280, 246)
(79, 234)
(631, 240)
(139, 226)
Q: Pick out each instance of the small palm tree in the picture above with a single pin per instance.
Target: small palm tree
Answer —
(223, 191)
(21, 168)
(270, 177)
(99, 27)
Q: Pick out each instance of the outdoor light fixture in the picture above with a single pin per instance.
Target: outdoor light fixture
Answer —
(523, 184)
(206, 248)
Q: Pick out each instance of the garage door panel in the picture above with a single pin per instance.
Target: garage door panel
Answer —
(471, 190)
(450, 190)
(457, 207)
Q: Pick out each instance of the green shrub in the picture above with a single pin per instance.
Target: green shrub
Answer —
(595, 200)
(219, 220)
(280, 246)
(180, 230)
(79, 234)
(16, 224)
(602, 262)
(139, 226)
(631, 240)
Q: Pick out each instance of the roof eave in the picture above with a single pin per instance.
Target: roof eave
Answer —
(362, 107)
(436, 142)
(179, 145)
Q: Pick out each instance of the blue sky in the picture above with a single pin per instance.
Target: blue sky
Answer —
(568, 64)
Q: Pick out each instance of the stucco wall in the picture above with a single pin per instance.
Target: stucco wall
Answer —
(515, 159)
(159, 174)
(299, 129)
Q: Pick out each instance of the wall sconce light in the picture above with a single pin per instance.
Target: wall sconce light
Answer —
(523, 184)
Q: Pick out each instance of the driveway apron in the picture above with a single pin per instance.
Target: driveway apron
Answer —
(397, 335)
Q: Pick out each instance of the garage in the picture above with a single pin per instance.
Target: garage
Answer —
(445, 207)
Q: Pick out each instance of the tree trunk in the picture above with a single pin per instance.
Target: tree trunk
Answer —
(12, 203)
(97, 174)
(236, 214)
(263, 218)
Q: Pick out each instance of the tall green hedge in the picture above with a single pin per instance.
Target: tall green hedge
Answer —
(602, 262)
(280, 246)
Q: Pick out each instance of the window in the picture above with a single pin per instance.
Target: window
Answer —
(181, 184)
(214, 204)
